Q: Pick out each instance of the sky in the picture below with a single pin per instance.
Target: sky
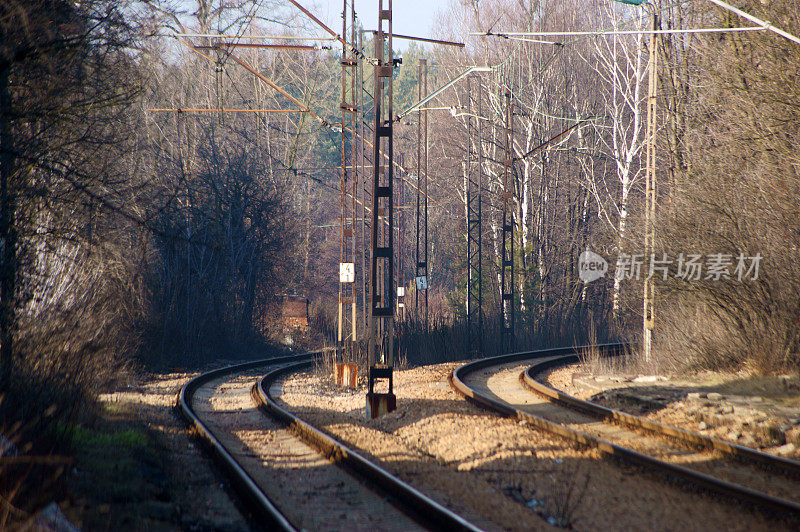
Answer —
(409, 17)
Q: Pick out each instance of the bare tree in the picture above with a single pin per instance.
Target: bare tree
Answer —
(619, 61)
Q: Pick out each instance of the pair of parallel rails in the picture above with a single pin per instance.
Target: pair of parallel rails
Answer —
(408, 499)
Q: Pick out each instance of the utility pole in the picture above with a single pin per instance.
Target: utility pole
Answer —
(219, 87)
(401, 240)
(650, 189)
(421, 255)
(354, 163)
(307, 213)
(382, 292)
(507, 251)
(347, 249)
(474, 183)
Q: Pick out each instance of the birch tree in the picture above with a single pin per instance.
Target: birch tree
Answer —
(619, 61)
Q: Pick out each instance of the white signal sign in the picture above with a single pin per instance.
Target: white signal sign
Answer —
(347, 272)
(422, 282)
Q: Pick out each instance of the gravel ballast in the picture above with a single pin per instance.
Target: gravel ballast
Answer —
(500, 473)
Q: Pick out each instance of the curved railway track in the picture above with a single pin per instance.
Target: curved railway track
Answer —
(507, 385)
(286, 470)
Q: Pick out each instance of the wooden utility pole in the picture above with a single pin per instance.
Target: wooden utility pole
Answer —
(650, 190)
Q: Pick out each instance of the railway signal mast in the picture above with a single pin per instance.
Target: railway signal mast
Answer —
(382, 291)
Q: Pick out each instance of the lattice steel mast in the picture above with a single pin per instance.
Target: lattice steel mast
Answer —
(474, 184)
(421, 251)
(382, 291)
(366, 199)
(507, 252)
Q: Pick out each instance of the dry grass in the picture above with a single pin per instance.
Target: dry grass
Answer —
(30, 468)
(568, 497)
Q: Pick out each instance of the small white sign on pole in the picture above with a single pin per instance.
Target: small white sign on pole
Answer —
(347, 272)
(422, 282)
(401, 291)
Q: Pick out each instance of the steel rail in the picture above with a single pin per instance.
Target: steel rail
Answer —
(256, 500)
(610, 415)
(418, 505)
(670, 471)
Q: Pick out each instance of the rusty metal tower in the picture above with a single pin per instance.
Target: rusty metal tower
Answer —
(347, 330)
(382, 287)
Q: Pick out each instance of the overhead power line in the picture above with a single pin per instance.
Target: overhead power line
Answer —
(751, 18)
(612, 32)
(269, 37)
(441, 89)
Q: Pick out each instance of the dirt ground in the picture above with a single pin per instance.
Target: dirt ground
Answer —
(139, 468)
(498, 472)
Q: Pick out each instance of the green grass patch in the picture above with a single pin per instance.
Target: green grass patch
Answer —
(127, 438)
(119, 467)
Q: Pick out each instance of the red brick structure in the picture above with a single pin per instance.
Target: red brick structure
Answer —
(294, 311)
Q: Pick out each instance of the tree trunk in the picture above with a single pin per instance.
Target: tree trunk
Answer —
(8, 235)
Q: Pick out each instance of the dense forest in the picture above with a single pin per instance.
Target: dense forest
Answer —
(138, 234)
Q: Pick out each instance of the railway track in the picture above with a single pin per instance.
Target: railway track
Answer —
(507, 385)
(290, 475)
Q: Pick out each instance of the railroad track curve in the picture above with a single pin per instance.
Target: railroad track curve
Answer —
(289, 474)
(507, 385)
